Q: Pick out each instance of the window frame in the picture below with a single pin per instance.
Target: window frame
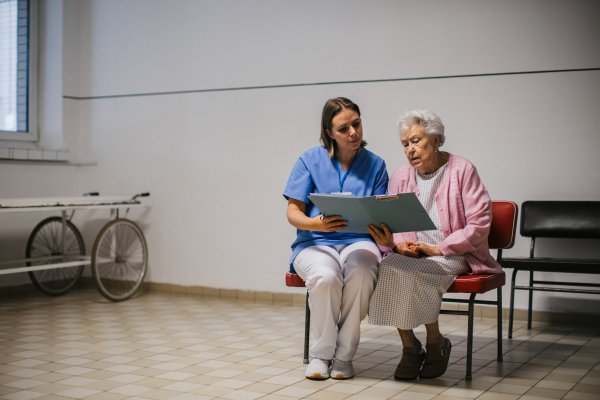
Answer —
(32, 133)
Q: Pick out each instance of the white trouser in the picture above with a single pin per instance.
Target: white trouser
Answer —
(340, 280)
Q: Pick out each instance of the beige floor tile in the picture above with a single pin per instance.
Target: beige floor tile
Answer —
(379, 392)
(242, 367)
(100, 374)
(273, 396)
(563, 378)
(154, 382)
(584, 388)
(306, 383)
(263, 387)
(520, 381)
(546, 393)
(4, 390)
(580, 396)
(321, 395)
(550, 384)
(203, 379)
(184, 344)
(148, 371)
(214, 391)
(498, 396)
(296, 392)
(341, 387)
(103, 385)
(421, 388)
(408, 395)
(506, 388)
(160, 394)
(107, 396)
(463, 393)
(52, 388)
(252, 377)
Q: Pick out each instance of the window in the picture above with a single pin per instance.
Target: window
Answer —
(17, 72)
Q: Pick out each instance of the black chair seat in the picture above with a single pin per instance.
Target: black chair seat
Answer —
(543, 264)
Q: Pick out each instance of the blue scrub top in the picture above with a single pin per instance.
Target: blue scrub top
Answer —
(315, 172)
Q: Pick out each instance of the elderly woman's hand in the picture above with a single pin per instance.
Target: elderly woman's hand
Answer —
(429, 250)
(383, 238)
(407, 248)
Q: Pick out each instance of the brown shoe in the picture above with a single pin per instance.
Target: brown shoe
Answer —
(410, 363)
(436, 360)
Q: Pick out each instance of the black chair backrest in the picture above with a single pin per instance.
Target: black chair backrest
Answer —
(561, 219)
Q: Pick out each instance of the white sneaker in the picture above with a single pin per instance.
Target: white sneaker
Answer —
(341, 369)
(318, 369)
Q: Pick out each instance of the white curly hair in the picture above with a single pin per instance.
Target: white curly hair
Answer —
(427, 120)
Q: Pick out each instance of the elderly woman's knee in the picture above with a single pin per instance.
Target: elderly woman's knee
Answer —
(388, 266)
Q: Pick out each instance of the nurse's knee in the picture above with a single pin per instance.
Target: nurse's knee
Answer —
(362, 263)
(328, 280)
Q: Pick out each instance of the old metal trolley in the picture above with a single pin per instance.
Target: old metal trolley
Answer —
(55, 252)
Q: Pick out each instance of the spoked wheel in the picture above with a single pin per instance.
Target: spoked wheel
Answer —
(119, 259)
(46, 241)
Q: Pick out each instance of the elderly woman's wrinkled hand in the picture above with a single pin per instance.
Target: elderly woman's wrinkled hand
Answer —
(383, 238)
(429, 250)
(407, 248)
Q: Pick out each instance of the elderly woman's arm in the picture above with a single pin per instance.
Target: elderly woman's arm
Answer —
(478, 217)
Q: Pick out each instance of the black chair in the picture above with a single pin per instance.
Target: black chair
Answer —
(554, 219)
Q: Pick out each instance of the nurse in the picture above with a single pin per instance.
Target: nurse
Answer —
(339, 268)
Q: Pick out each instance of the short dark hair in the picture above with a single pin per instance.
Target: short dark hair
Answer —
(332, 108)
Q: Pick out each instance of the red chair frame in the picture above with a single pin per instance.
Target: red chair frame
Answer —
(502, 236)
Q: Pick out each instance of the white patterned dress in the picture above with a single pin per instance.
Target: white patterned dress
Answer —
(409, 290)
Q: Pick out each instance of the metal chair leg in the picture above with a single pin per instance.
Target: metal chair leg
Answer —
(470, 337)
(512, 303)
(499, 306)
(530, 300)
(306, 330)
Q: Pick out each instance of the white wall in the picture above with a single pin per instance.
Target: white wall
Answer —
(216, 163)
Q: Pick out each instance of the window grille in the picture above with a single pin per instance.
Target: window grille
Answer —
(14, 65)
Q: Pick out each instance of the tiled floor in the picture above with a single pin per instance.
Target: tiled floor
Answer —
(80, 346)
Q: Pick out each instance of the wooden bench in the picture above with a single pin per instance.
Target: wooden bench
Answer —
(502, 236)
(555, 219)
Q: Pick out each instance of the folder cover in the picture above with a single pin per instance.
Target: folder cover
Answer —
(400, 212)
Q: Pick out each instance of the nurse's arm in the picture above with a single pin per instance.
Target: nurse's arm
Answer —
(297, 217)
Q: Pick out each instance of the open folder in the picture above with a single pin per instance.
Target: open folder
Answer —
(400, 212)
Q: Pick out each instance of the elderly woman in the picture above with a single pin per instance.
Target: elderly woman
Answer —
(421, 266)
(339, 268)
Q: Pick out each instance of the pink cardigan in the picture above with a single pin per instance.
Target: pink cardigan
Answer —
(465, 211)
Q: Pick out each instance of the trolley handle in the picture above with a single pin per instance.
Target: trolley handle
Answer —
(146, 194)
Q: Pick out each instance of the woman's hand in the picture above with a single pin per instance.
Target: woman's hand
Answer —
(298, 218)
(383, 238)
(407, 248)
(429, 250)
(329, 224)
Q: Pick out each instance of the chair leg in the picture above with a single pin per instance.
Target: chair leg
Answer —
(306, 330)
(530, 300)
(468, 377)
(512, 303)
(499, 300)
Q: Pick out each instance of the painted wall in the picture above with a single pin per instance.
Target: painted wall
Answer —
(216, 162)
